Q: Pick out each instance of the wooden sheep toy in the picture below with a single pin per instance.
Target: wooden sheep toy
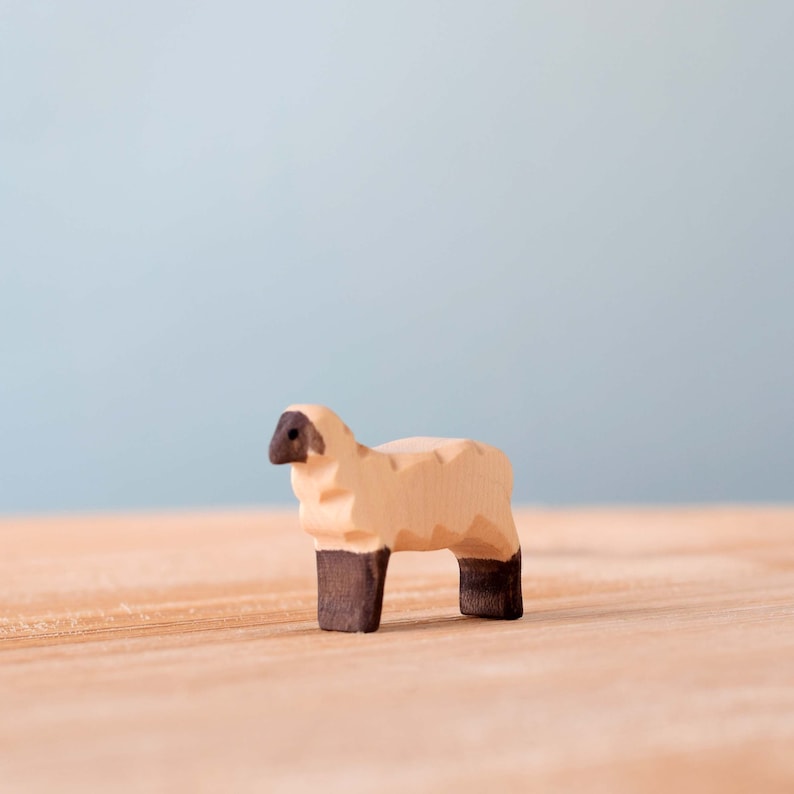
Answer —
(415, 494)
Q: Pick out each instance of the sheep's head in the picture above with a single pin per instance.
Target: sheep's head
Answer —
(295, 437)
(306, 431)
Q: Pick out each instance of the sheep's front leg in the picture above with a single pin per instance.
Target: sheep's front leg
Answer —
(491, 588)
(350, 589)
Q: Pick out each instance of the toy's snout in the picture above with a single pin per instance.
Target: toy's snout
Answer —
(294, 438)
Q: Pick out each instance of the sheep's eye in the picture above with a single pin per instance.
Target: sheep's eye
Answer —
(293, 434)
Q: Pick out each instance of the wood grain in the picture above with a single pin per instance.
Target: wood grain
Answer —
(155, 653)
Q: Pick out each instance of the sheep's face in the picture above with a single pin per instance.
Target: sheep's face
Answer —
(294, 439)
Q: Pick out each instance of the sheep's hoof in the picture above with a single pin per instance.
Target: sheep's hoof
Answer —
(350, 589)
(491, 588)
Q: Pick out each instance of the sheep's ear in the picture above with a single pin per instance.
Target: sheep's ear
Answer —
(316, 441)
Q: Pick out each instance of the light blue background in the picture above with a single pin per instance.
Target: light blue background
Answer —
(564, 228)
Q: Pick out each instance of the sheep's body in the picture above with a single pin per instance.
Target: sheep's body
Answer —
(415, 494)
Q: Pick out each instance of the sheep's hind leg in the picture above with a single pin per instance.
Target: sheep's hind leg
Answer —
(491, 588)
(350, 589)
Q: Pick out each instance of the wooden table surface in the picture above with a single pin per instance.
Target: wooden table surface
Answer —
(176, 652)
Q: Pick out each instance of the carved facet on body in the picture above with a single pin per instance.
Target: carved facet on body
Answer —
(415, 494)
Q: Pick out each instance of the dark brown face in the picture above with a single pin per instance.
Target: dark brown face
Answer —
(295, 436)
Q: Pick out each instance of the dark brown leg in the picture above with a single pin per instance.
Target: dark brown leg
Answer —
(350, 589)
(490, 588)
